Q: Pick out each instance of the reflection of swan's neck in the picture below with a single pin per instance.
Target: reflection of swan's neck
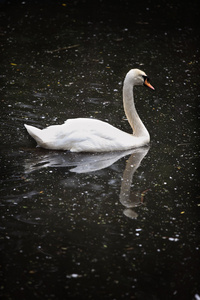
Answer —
(131, 166)
(138, 127)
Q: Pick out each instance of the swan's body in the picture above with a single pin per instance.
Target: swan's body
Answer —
(91, 135)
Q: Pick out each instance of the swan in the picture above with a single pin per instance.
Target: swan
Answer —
(92, 135)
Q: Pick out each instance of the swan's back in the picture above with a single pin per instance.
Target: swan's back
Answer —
(83, 135)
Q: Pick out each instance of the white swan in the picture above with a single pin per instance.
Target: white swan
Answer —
(91, 135)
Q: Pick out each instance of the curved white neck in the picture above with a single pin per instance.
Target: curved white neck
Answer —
(139, 130)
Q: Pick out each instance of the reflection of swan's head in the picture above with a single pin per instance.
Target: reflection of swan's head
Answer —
(137, 77)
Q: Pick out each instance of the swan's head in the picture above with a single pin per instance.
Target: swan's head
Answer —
(138, 77)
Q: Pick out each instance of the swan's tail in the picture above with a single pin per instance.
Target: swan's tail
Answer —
(35, 133)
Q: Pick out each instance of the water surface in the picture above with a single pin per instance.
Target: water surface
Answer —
(107, 226)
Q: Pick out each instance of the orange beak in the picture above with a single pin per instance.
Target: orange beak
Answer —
(148, 84)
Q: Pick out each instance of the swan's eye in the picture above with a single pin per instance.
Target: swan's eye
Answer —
(145, 78)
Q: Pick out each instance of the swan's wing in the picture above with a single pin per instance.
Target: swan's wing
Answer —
(83, 135)
(96, 135)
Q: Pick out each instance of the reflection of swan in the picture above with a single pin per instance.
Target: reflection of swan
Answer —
(81, 163)
(84, 163)
(91, 135)
(127, 198)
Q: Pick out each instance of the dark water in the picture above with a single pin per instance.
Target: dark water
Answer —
(112, 226)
